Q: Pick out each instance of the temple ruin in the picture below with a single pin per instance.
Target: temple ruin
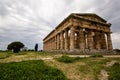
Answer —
(79, 32)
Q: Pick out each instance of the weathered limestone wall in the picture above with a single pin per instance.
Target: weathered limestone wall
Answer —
(79, 32)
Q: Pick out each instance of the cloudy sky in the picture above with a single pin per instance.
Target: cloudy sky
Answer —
(29, 21)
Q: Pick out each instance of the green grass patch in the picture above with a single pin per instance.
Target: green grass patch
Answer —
(92, 67)
(67, 59)
(29, 70)
(114, 71)
(4, 55)
(21, 53)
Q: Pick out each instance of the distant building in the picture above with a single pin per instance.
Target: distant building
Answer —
(79, 32)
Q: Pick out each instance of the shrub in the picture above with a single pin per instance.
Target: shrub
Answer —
(117, 50)
(67, 59)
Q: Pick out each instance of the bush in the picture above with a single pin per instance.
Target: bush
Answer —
(29, 70)
(117, 50)
(30, 49)
(96, 55)
(67, 59)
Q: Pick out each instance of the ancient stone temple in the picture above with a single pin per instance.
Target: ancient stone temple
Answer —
(79, 32)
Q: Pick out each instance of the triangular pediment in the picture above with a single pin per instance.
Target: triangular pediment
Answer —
(89, 16)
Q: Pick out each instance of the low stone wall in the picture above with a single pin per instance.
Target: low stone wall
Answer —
(85, 52)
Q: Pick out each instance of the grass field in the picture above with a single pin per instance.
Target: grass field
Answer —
(63, 66)
(114, 71)
(29, 70)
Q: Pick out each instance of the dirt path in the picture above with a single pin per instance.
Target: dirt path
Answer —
(23, 58)
(103, 73)
(89, 55)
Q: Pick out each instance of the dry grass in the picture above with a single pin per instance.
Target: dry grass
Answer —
(84, 69)
(27, 56)
(73, 71)
(70, 70)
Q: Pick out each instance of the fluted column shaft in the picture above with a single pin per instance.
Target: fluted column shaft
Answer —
(52, 44)
(66, 39)
(55, 42)
(97, 40)
(90, 39)
(81, 39)
(61, 40)
(72, 37)
(109, 42)
(103, 41)
(58, 41)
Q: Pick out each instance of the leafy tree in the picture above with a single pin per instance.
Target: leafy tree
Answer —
(15, 46)
(36, 47)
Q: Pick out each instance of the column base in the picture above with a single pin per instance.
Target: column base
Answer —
(83, 51)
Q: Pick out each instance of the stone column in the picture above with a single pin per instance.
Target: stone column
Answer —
(49, 44)
(90, 39)
(61, 40)
(55, 42)
(81, 39)
(85, 38)
(66, 39)
(109, 42)
(97, 40)
(45, 46)
(77, 41)
(58, 41)
(72, 37)
(103, 41)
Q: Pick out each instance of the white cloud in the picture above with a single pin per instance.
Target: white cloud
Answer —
(31, 20)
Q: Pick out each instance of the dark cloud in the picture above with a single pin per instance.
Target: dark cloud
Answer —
(110, 11)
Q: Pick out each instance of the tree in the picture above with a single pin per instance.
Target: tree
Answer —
(36, 47)
(15, 46)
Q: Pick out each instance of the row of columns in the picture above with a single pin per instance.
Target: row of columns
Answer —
(86, 39)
